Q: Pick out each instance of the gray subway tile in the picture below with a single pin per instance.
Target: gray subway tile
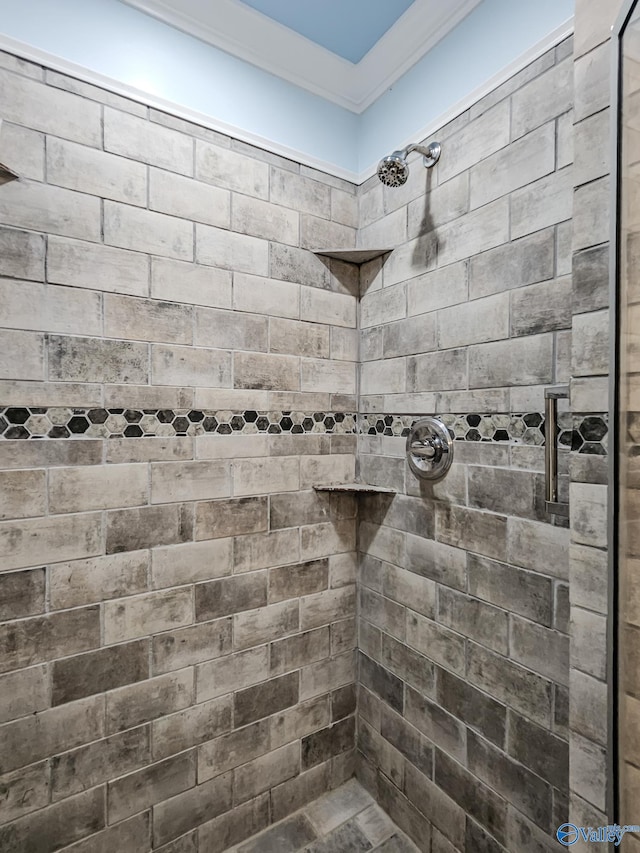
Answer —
(144, 527)
(407, 664)
(23, 692)
(192, 645)
(524, 592)
(382, 682)
(541, 649)
(40, 638)
(440, 727)
(324, 744)
(542, 99)
(472, 706)
(147, 700)
(233, 749)
(508, 682)
(263, 773)
(235, 826)
(98, 671)
(526, 790)
(189, 727)
(416, 748)
(96, 360)
(539, 750)
(37, 736)
(25, 791)
(230, 595)
(285, 837)
(265, 699)
(520, 163)
(60, 824)
(436, 642)
(216, 519)
(478, 800)
(98, 762)
(21, 594)
(519, 361)
(173, 817)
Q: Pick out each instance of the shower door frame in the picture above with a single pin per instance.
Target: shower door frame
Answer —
(615, 361)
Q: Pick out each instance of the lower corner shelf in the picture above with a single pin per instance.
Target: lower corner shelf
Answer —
(354, 487)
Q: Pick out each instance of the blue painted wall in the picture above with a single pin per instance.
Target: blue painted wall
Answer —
(122, 43)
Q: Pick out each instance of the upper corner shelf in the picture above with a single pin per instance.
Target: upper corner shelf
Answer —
(6, 174)
(353, 256)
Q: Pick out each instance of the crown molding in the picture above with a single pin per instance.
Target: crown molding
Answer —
(249, 35)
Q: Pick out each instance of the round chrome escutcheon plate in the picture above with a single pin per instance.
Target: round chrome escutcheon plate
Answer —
(429, 449)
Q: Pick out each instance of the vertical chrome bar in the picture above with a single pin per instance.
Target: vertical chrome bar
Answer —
(551, 448)
(551, 397)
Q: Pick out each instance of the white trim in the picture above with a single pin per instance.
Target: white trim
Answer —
(248, 34)
(56, 63)
(550, 40)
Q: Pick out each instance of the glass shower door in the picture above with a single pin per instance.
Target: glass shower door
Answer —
(628, 433)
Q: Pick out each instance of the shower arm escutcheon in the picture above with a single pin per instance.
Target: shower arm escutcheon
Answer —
(429, 449)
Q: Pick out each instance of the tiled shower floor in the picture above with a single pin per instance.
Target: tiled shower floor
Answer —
(346, 820)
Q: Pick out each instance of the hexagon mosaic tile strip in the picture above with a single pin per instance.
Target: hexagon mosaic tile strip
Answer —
(584, 434)
(16, 423)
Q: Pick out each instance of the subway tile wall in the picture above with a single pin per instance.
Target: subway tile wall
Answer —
(178, 608)
(463, 710)
(177, 605)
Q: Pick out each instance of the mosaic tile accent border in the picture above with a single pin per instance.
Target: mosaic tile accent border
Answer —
(25, 423)
(584, 434)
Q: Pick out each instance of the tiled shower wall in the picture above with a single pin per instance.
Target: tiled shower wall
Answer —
(176, 371)
(464, 605)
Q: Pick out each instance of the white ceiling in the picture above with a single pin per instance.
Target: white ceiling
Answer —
(240, 30)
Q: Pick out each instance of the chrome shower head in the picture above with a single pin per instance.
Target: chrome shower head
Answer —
(393, 170)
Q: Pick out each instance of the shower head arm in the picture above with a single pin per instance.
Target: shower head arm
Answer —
(431, 153)
(421, 149)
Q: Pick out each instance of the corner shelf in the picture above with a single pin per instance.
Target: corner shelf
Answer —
(353, 256)
(6, 174)
(358, 488)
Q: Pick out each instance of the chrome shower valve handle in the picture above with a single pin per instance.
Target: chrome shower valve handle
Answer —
(429, 449)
